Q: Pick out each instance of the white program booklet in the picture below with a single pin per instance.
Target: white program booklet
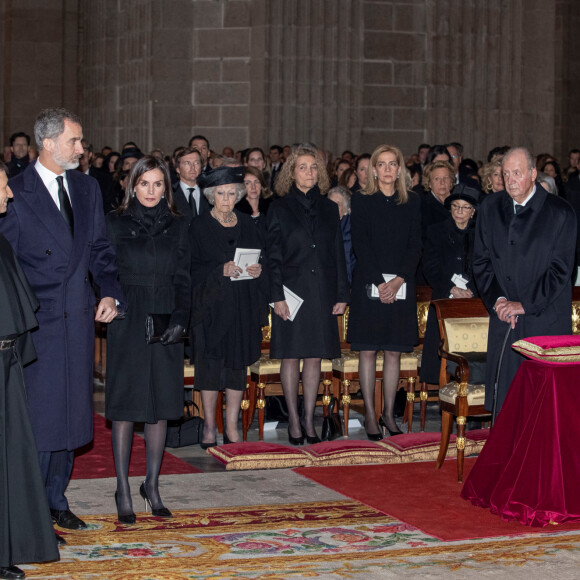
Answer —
(401, 294)
(243, 258)
(459, 281)
(294, 302)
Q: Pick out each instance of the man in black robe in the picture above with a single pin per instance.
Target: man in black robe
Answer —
(523, 258)
(26, 532)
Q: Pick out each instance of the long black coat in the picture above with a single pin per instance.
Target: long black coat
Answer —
(310, 262)
(226, 315)
(26, 532)
(145, 381)
(60, 382)
(447, 251)
(527, 258)
(386, 237)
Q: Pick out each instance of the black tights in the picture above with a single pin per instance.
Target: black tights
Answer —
(367, 377)
(290, 377)
(155, 434)
(233, 404)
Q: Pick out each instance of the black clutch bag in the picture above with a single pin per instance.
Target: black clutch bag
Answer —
(155, 326)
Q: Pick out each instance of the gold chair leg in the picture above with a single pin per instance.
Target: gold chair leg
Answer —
(410, 402)
(326, 396)
(260, 404)
(345, 403)
(424, 396)
(245, 406)
(460, 446)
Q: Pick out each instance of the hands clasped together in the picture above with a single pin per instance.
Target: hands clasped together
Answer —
(233, 271)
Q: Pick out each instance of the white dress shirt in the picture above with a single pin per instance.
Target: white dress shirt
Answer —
(49, 180)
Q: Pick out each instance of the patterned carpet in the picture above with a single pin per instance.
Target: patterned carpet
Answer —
(340, 539)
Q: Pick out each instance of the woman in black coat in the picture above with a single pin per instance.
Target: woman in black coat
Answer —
(305, 255)
(145, 381)
(26, 532)
(448, 251)
(386, 237)
(258, 197)
(227, 314)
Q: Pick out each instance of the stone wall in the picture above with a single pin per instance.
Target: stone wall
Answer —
(341, 73)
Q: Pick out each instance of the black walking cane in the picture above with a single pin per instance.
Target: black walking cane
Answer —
(494, 406)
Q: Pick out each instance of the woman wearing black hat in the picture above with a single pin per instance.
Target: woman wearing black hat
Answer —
(229, 306)
(145, 381)
(448, 252)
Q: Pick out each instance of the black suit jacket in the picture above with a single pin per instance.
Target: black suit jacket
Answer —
(183, 204)
(526, 258)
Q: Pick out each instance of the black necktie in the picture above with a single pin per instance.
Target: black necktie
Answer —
(65, 206)
(192, 201)
(519, 208)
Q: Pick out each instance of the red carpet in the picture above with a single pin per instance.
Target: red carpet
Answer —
(95, 460)
(421, 496)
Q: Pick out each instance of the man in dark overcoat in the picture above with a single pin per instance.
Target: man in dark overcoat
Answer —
(523, 257)
(56, 228)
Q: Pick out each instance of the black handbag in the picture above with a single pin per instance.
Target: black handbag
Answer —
(185, 431)
(331, 425)
(156, 325)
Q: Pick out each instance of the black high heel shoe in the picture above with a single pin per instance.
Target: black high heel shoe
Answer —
(161, 512)
(296, 440)
(227, 440)
(383, 424)
(208, 445)
(313, 440)
(374, 436)
(129, 518)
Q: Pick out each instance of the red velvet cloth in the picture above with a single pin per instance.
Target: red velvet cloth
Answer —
(529, 469)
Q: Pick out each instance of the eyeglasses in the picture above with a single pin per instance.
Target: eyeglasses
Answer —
(461, 208)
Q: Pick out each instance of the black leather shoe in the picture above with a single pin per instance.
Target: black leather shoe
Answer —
(11, 573)
(60, 540)
(66, 519)
(208, 445)
(313, 440)
(296, 440)
(383, 425)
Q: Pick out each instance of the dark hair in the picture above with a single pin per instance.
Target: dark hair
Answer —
(423, 146)
(457, 146)
(250, 151)
(130, 145)
(360, 158)
(190, 144)
(497, 151)
(437, 150)
(347, 152)
(277, 147)
(186, 151)
(50, 124)
(145, 164)
(15, 136)
(108, 158)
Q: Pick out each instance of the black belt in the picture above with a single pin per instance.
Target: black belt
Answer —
(7, 344)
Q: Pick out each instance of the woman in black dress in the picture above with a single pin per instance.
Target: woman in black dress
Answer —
(227, 314)
(145, 381)
(305, 254)
(448, 251)
(26, 532)
(386, 237)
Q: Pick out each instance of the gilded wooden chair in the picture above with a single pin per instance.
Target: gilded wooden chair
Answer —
(264, 380)
(464, 326)
(345, 372)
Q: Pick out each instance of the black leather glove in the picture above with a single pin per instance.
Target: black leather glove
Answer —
(172, 335)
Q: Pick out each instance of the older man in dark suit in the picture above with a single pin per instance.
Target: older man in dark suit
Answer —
(56, 227)
(523, 258)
